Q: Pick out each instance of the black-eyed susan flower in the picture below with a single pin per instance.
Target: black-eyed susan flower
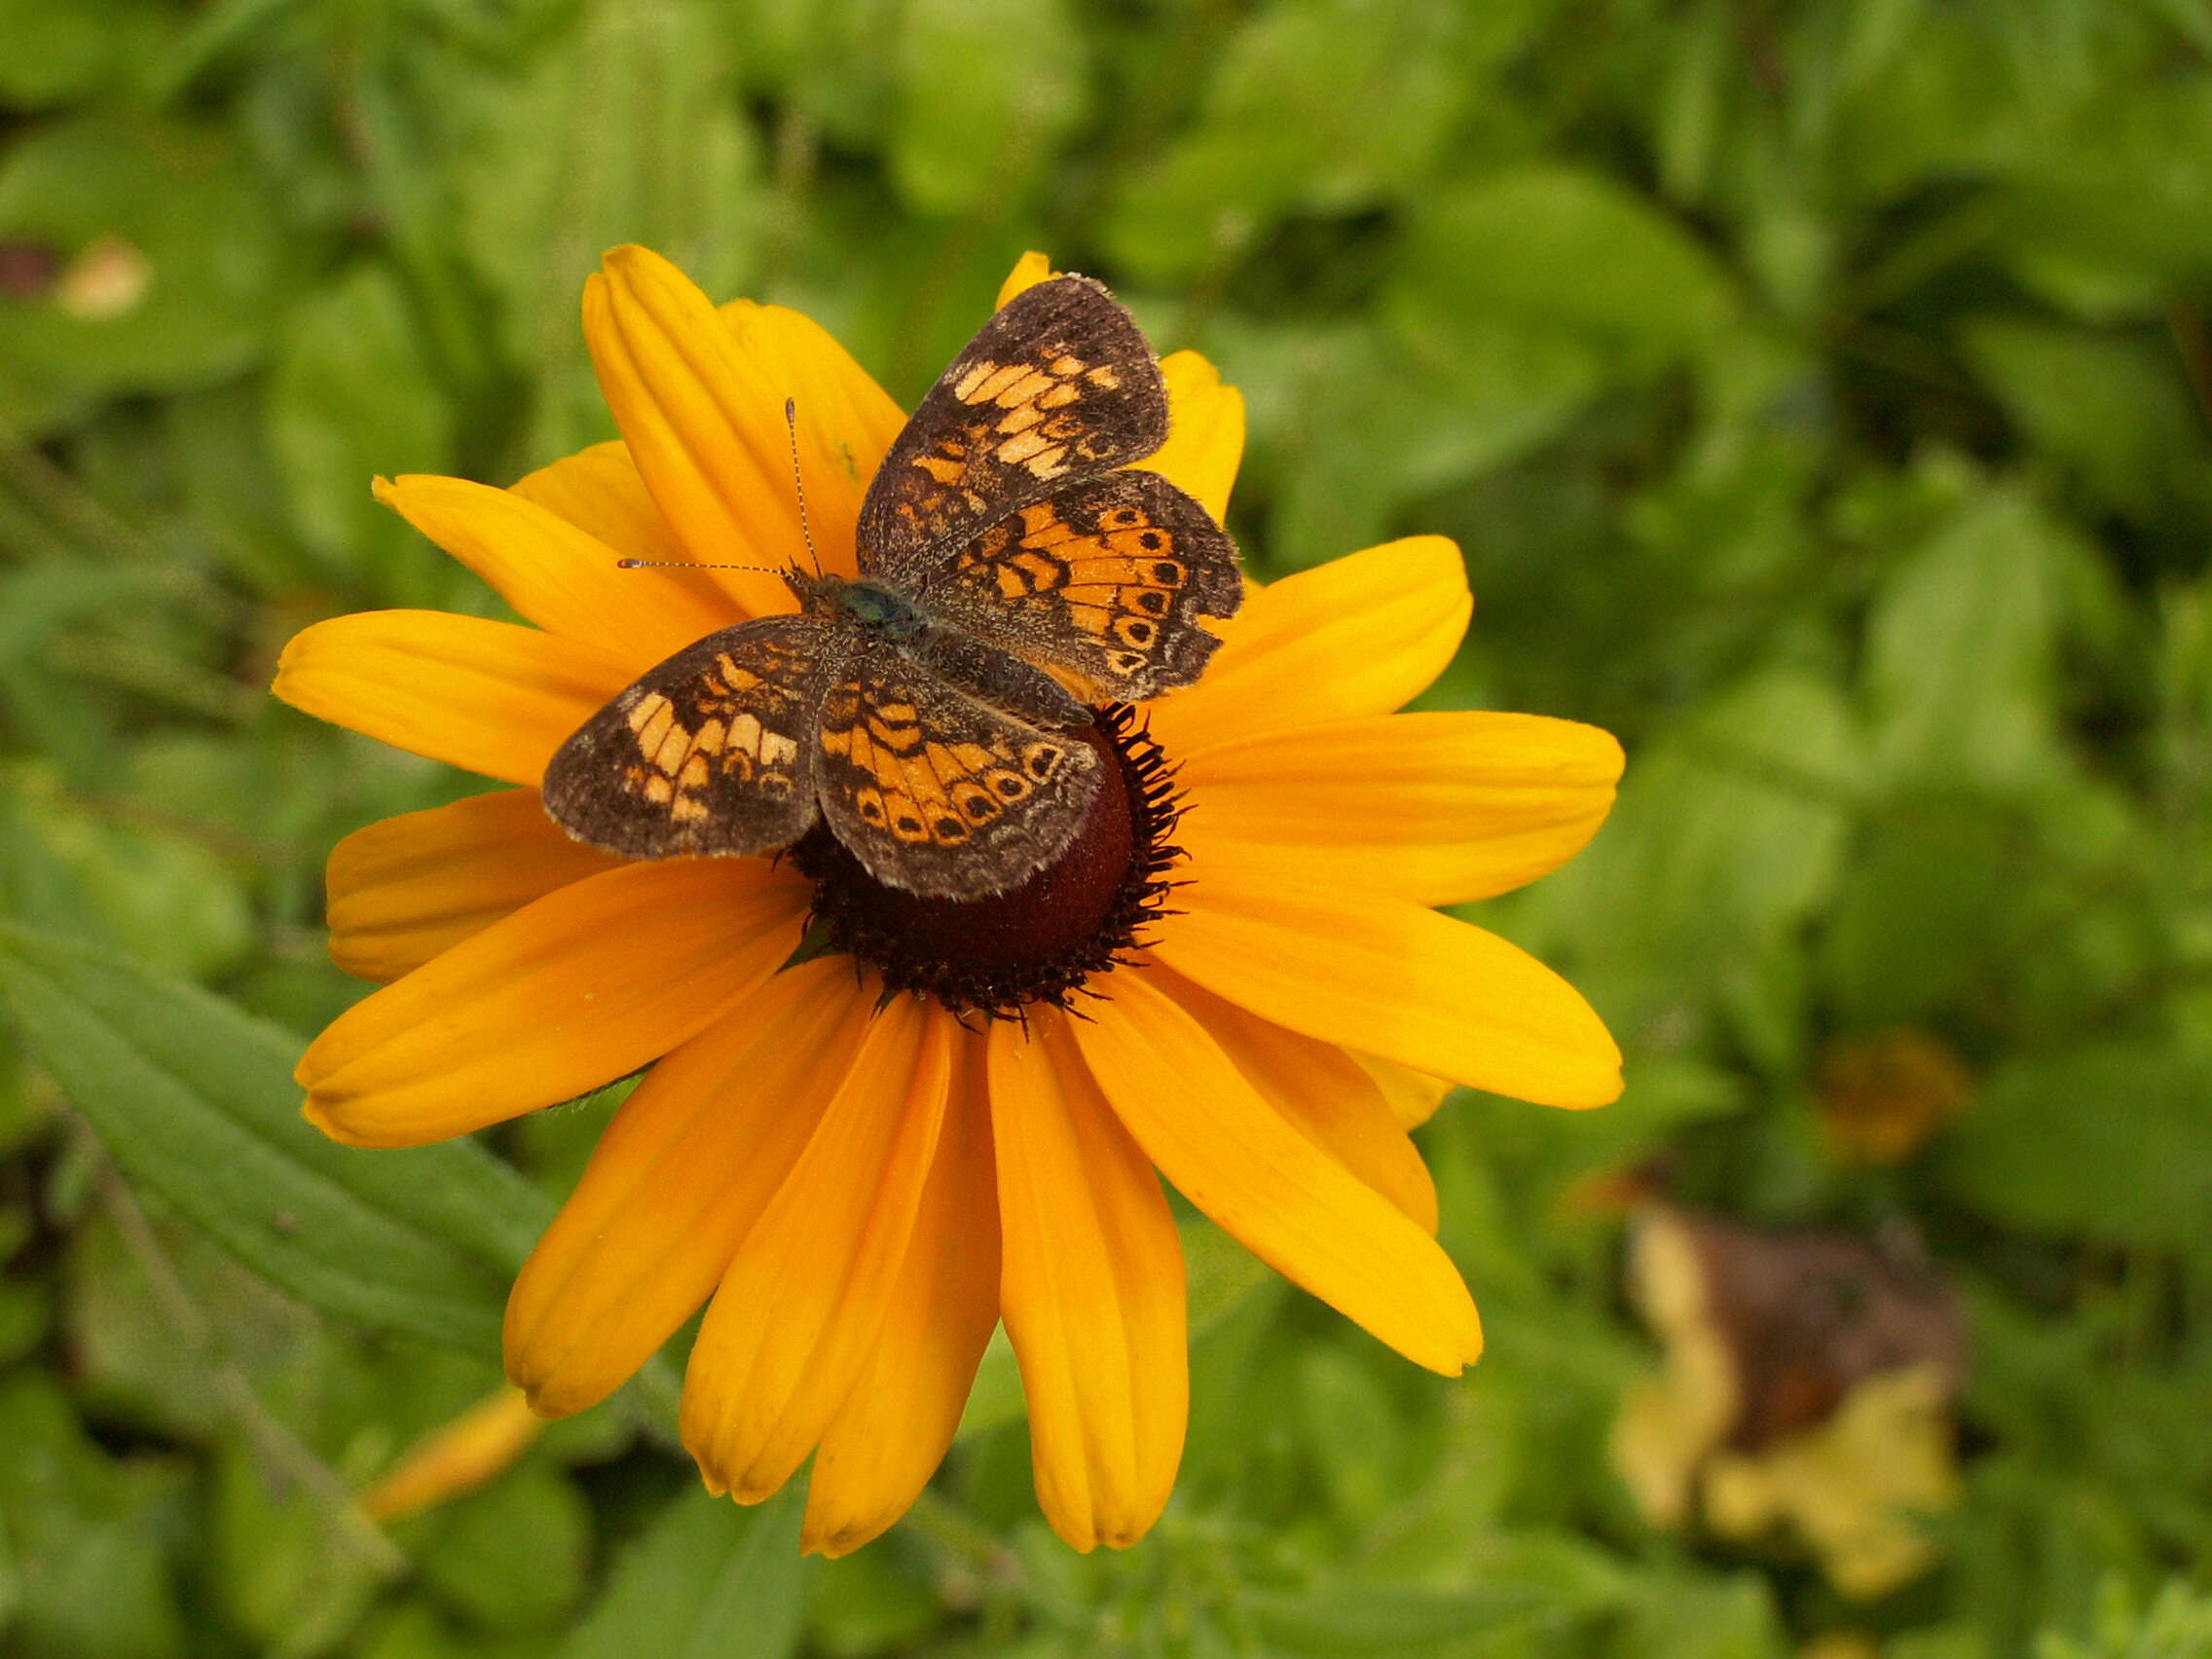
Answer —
(858, 1182)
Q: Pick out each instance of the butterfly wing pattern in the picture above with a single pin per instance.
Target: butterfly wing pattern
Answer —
(1106, 579)
(1058, 386)
(1008, 552)
(937, 792)
(711, 751)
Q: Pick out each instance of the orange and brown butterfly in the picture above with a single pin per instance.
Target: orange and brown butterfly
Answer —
(1016, 568)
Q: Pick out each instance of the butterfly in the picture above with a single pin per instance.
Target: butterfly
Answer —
(1016, 570)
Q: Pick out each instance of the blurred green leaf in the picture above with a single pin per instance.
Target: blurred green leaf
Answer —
(286, 1574)
(176, 254)
(2108, 1141)
(163, 899)
(60, 51)
(84, 1538)
(2107, 408)
(352, 398)
(991, 87)
(1559, 253)
(708, 1580)
(2176, 1625)
(1393, 1619)
(1729, 831)
(624, 128)
(1289, 124)
(1960, 651)
(1682, 1617)
(509, 1557)
(195, 1102)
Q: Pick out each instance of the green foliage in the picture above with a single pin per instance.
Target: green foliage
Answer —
(1820, 394)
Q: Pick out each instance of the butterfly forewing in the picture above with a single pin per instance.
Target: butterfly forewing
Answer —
(938, 792)
(1059, 385)
(1105, 579)
(711, 752)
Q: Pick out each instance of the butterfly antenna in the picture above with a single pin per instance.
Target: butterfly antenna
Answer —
(798, 483)
(688, 564)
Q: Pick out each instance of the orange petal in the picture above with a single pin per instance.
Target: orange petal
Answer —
(456, 1457)
(1205, 432)
(1325, 1093)
(1358, 636)
(1031, 269)
(1289, 1202)
(553, 573)
(893, 1427)
(1433, 807)
(589, 983)
(489, 697)
(1093, 1290)
(1392, 979)
(679, 1177)
(405, 889)
(799, 1314)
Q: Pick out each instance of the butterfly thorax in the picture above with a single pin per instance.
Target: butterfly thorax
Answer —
(874, 607)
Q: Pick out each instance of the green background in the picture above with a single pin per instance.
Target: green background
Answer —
(1818, 392)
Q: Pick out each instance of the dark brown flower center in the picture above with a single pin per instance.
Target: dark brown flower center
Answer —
(1078, 916)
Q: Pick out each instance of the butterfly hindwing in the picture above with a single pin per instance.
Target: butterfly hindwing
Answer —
(1058, 386)
(711, 751)
(940, 794)
(1106, 579)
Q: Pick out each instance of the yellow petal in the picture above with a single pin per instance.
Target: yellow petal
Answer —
(1093, 1290)
(679, 1177)
(1205, 432)
(1321, 1091)
(845, 421)
(1031, 269)
(405, 889)
(599, 491)
(1358, 636)
(704, 423)
(1433, 807)
(588, 983)
(1286, 1200)
(1412, 1095)
(553, 573)
(488, 697)
(797, 1315)
(893, 1427)
(1394, 980)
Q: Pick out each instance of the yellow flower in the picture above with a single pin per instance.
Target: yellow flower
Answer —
(866, 1187)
